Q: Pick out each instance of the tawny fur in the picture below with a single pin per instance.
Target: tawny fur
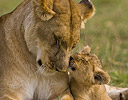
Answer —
(87, 78)
(31, 33)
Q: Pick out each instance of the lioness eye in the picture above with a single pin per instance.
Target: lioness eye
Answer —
(64, 44)
(56, 39)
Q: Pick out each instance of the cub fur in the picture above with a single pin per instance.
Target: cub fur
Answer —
(87, 78)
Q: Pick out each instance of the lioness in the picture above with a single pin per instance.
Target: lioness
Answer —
(87, 77)
(37, 31)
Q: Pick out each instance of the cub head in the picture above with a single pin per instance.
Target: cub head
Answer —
(56, 30)
(85, 68)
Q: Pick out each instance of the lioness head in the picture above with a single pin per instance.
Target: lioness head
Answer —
(85, 68)
(57, 28)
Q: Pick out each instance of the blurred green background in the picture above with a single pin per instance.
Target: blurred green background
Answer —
(106, 33)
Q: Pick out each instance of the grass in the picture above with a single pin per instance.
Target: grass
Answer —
(7, 5)
(106, 33)
(119, 79)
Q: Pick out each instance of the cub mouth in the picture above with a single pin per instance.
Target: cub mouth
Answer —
(71, 64)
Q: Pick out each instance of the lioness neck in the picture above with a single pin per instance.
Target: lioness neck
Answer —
(14, 31)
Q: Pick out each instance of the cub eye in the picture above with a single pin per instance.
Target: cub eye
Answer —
(73, 68)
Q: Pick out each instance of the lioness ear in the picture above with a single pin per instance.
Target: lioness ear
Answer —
(87, 9)
(86, 50)
(101, 77)
(43, 9)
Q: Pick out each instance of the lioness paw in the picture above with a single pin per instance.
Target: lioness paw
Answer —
(66, 97)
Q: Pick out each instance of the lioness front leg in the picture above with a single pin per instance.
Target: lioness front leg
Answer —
(8, 97)
(66, 95)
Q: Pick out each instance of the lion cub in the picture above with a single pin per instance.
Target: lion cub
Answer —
(87, 77)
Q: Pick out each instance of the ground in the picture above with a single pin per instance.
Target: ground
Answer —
(106, 33)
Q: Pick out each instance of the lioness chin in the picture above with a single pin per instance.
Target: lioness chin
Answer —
(37, 33)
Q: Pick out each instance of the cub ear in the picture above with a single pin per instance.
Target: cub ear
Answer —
(43, 9)
(86, 50)
(101, 77)
(87, 9)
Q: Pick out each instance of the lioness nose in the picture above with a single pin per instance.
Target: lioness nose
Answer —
(61, 68)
